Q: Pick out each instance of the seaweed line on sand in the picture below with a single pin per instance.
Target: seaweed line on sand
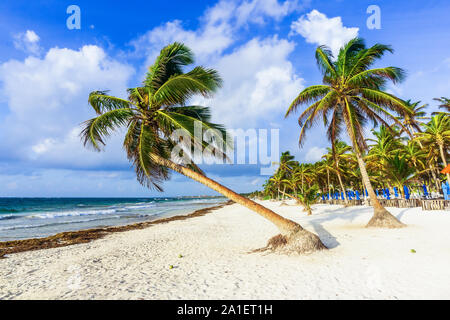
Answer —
(83, 236)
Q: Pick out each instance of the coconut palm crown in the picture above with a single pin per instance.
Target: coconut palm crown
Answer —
(154, 111)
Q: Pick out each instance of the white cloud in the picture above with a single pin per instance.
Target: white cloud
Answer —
(31, 36)
(47, 98)
(316, 28)
(257, 10)
(258, 77)
(259, 81)
(206, 42)
(315, 154)
(218, 30)
(28, 42)
(43, 146)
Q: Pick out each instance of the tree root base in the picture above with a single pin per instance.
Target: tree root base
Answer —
(384, 219)
(300, 242)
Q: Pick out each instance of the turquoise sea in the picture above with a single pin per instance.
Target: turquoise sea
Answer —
(23, 218)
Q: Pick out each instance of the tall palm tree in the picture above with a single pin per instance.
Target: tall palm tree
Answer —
(303, 172)
(351, 95)
(338, 153)
(154, 111)
(285, 168)
(325, 166)
(437, 136)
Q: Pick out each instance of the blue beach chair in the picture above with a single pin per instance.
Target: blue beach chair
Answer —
(425, 191)
(406, 192)
(446, 190)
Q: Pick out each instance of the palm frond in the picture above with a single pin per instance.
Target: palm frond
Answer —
(101, 102)
(97, 129)
(169, 63)
(308, 95)
(347, 55)
(367, 57)
(179, 88)
(324, 59)
(368, 77)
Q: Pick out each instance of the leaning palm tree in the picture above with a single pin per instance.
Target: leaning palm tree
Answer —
(437, 136)
(351, 95)
(154, 111)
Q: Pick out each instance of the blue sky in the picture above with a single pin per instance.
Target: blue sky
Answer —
(264, 50)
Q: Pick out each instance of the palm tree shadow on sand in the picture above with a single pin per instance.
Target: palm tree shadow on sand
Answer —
(329, 215)
(327, 238)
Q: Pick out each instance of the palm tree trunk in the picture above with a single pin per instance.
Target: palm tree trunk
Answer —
(342, 186)
(435, 177)
(340, 182)
(381, 217)
(436, 183)
(328, 181)
(441, 150)
(363, 191)
(292, 197)
(295, 237)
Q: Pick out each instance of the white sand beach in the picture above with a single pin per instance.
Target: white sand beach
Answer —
(216, 262)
